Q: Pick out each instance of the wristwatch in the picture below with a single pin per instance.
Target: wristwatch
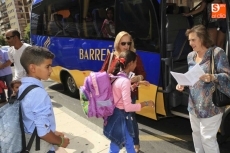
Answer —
(146, 103)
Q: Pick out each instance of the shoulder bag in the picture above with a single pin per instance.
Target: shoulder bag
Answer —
(219, 99)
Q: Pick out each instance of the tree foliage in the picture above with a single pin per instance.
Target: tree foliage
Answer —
(2, 41)
(27, 33)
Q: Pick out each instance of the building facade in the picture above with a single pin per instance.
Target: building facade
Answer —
(4, 19)
(15, 15)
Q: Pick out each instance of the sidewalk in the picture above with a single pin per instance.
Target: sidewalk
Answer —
(82, 138)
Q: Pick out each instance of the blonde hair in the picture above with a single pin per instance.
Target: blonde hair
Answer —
(118, 39)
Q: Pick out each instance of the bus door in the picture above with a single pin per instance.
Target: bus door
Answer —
(140, 19)
(174, 50)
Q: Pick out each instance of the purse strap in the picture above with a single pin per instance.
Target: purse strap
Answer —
(212, 62)
(110, 60)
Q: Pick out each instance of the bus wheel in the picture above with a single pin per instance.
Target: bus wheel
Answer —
(225, 126)
(70, 86)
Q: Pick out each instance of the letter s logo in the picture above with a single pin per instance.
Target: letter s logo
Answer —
(215, 8)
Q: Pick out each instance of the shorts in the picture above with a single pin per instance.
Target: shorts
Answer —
(220, 24)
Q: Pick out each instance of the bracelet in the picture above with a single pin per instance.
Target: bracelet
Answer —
(146, 103)
(62, 141)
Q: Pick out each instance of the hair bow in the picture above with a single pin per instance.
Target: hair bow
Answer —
(122, 60)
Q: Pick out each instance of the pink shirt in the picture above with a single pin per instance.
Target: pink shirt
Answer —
(122, 95)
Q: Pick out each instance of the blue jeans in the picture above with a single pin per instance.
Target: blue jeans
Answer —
(7, 78)
(114, 148)
(136, 139)
(117, 125)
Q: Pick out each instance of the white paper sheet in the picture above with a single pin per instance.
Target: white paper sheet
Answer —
(189, 78)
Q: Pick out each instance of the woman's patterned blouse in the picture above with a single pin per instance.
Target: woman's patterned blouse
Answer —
(200, 96)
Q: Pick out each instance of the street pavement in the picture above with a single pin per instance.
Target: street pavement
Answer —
(86, 137)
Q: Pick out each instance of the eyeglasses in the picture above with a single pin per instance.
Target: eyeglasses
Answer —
(124, 43)
(8, 38)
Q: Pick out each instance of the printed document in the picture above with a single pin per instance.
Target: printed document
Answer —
(189, 78)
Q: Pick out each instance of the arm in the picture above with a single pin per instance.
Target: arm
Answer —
(44, 119)
(139, 71)
(7, 61)
(223, 70)
(4, 65)
(108, 30)
(55, 139)
(198, 10)
(126, 97)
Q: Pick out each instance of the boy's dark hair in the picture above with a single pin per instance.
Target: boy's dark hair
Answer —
(15, 82)
(34, 55)
(128, 57)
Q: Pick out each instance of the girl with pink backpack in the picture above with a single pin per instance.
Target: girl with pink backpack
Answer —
(119, 128)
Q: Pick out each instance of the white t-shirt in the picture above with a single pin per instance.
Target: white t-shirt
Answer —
(14, 56)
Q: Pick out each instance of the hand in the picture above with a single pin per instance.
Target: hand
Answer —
(147, 103)
(134, 79)
(206, 78)
(65, 142)
(151, 103)
(146, 83)
(179, 88)
(1, 66)
(186, 14)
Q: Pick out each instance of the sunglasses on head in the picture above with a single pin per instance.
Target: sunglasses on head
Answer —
(8, 38)
(124, 43)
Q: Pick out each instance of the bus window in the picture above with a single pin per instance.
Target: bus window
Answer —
(63, 18)
(139, 19)
(37, 22)
(93, 16)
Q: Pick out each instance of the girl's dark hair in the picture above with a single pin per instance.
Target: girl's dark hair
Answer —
(109, 9)
(124, 59)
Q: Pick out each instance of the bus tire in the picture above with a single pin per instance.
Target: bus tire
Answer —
(225, 126)
(70, 85)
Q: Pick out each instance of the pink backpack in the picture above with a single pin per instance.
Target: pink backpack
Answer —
(96, 95)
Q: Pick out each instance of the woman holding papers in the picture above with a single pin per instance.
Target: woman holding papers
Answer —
(205, 117)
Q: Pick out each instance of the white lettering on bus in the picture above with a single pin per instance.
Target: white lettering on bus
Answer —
(94, 54)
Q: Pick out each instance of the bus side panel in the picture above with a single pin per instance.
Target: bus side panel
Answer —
(151, 63)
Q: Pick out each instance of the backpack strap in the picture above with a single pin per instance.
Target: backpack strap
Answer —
(94, 82)
(28, 147)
